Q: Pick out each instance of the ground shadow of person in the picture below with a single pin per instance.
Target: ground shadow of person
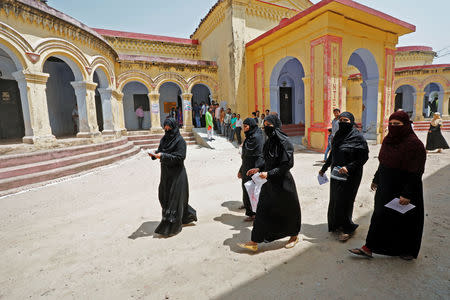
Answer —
(146, 229)
(233, 206)
(316, 234)
(237, 223)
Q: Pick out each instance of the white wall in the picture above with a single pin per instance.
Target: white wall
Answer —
(131, 121)
(61, 97)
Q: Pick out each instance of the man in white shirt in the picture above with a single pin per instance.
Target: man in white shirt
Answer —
(239, 124)
(203, 111)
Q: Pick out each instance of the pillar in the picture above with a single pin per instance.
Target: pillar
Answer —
(118, 114)
(154, 113)
(108, 123)
(344, 93)
(187, 111)
(87, 115)
(418, 111)
(32, 87)
(445, 105)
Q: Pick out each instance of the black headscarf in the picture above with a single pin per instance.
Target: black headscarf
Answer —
(277, 135)
(253, 139)
(349, 137)
(171, 137)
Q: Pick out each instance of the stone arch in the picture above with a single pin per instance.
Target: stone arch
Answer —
(206, 81)
(290, 70)
(436, 88)
(15, 45)
(101, 63)
(405, 99)
(171, 77)
(444, 82)
(67, 52)
(413, 82)
(130, 76)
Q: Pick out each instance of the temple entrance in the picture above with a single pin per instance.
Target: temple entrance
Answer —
(170, 97)
(364, 61)
(135, 94)
(405, 99)
(433, 99)
(287, 91)
(286, 105)
(11, 117)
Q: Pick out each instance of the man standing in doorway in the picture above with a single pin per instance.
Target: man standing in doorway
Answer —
(209, 124)
(140, 116)
(203, 111)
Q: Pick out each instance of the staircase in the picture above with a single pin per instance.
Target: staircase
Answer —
(145, 140)
(18, 170)
(425, 125)
(294, 129)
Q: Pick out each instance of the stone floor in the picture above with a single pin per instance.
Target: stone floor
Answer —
(91, 237)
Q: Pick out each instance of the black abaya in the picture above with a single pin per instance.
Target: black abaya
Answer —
(278, 213)
(350, 150)
(435, 139)
(252, 155)
(390, 232)
(173, 189)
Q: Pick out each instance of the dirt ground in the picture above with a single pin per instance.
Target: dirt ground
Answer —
(91, 237)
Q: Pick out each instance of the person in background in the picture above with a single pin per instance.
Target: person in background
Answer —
(232, 127)
(402, 163)
(328, 145)
(173, 191)
(217, 119)
(209, 124)
(255, 117)
(267, 112)
(140, 116)
(172, 113)
(196, 112)
(222, 117)
(435, 139)
(203, 111)
(334, 129)
(227, 123)
(349, 153)
(238, 129)
(261, 121)
(180, 116)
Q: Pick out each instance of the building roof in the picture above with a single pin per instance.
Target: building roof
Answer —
(414, 48)
(360, 13)
(143, 36)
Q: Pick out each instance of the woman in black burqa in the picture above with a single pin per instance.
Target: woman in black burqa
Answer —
(252, 155)
(173, 188)
(349, 152)
(435, 139)
(402, 162)
(278, 212)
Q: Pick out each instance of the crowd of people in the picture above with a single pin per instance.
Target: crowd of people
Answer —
(267, 152)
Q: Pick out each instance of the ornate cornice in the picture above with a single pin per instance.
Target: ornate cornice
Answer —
(271, 12)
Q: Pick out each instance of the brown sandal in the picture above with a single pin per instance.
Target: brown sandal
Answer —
(360, 252)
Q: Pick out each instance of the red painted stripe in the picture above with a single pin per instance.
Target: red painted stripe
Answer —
(414, 48)
(143, 36)
(321, 4)
(422, 67)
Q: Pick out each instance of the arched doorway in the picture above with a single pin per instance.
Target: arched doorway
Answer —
(405, 99)
(12, 127)
(433, 99)
(63, 109)
(363, 60)
(200, 94)
(287, 91)
(170, 96)
(135, 94)
(102, 83)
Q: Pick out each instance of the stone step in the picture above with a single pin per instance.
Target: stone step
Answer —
(8, 184)
(39, 156)
(61, 162)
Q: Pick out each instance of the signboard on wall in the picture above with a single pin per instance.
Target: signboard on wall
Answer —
(168, 106)
(155, 108)
(187, 105)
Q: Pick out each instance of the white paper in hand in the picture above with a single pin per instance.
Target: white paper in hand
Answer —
(258, 180)
(395, 205)
(322, 179)
(151, 152)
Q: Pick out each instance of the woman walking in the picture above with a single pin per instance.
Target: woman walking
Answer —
(278, 213)
(435, 139)
(252, 155)
(399, 175)
(349, 153)
(173, 188)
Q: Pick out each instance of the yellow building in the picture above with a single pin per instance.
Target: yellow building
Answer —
(290, 56)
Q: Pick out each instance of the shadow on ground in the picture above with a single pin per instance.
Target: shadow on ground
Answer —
(325, 269)
(146, 229)
(233, 206)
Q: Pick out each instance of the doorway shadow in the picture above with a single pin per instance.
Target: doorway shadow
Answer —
(233, 206)
(146, 229)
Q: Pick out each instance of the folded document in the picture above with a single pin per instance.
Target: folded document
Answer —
(395, 205)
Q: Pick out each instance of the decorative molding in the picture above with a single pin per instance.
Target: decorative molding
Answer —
(33, 57)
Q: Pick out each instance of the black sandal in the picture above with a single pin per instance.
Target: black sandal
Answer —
(360, 252)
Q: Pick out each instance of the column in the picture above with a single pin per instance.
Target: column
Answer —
(154, 113)
(344, 93)
(118, 115)
(108, 123)
(187, 111)
(445, 105)
(87, 115)
(418, 111)
(32, 86)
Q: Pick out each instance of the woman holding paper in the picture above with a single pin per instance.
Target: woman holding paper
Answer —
(173, 188)
(278, 212)
(349, 153)
(252, 155)
(399, 175)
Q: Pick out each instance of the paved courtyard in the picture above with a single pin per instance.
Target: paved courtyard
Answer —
(91, 237)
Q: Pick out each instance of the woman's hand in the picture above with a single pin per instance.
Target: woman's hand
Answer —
(263, 175)
(373, 186)
(404, 201)
(158, 155)
(239, 175)
(321, 173)
(252, 171)
(343, 170)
